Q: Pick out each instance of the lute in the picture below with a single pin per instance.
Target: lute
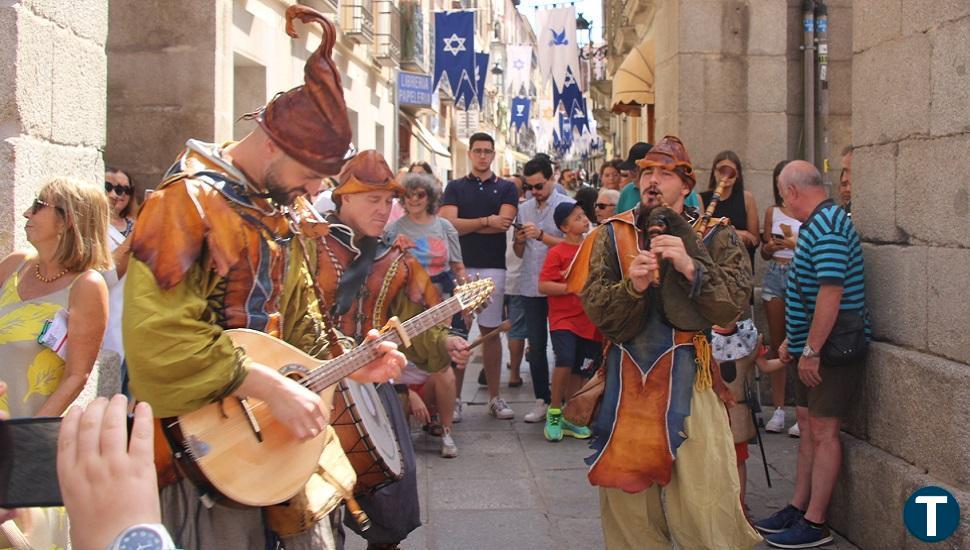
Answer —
(236, 449)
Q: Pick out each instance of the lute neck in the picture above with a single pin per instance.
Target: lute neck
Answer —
(339, 367)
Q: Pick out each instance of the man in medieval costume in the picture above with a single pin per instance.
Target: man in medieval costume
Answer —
(664, 453)
(366, 281)
(215, 248)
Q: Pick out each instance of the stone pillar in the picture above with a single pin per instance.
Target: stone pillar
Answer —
(911, 127)
(169, 79)
(52, 101)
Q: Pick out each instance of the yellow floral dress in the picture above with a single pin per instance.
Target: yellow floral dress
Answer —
(32, 373)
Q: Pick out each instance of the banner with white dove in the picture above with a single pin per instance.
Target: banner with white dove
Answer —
(481, 73)
(557, 43)
(455, 50)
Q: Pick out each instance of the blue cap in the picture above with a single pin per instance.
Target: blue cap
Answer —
(563, 210)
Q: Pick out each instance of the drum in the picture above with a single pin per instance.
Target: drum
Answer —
(366, 435)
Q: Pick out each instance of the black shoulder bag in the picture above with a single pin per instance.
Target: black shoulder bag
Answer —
(847, 343)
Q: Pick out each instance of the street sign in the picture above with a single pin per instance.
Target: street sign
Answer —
(414, 89)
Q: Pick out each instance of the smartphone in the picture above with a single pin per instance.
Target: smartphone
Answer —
(28, 462)
(777, 236)
(517, 226)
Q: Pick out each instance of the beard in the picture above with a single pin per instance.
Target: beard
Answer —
(275, 190)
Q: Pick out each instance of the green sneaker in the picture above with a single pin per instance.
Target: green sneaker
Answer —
(553, 429)
(572, 430)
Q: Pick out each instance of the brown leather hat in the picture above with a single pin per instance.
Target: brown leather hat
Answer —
(309, 122)
(367, 171)
(670, 154)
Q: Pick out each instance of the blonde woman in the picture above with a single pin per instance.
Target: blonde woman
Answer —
(67, 224)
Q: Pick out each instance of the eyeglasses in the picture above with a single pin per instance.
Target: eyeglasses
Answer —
(530, 187)
(483, 152)
(416, 195)
(604, 205)
(118, 189)
(39, 205)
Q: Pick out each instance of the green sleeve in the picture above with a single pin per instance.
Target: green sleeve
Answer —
(629, 198)
(302, 321)
(608, 298)
(428, 349)
(178, 358)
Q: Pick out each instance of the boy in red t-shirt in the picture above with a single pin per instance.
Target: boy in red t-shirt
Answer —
(576, 342)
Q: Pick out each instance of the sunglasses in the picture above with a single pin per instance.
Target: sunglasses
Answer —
(118, 189)
(604, 206)
(416, 195)
(39, 205)
(537, 187)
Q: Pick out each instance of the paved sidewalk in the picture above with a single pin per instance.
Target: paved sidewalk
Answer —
(510, 489)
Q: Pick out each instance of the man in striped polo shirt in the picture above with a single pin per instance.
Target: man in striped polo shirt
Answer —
(826, 277)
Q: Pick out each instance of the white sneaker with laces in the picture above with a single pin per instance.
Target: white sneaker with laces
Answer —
(538, 412)
(777, 423)
(498, 408)
(448, 447)
(794, 431)
(456, 415)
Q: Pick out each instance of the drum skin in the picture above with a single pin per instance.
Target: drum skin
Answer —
(366, 435)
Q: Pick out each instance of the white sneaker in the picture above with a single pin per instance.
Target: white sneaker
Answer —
(498, 408)
(777, 423)
(456, 415)
(448, 447)
(794, 431)
(538, 412)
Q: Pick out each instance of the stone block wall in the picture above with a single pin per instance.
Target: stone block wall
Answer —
(729, 76)
(168, 81)
(911, 127)
(52, 101)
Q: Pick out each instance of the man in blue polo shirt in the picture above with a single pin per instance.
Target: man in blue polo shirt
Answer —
(826, 278)
(482, 207)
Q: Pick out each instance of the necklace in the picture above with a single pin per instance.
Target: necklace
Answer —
(43, 279)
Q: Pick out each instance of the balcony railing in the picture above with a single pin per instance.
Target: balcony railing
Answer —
(357, 21)
(388, 35)
(413, 37)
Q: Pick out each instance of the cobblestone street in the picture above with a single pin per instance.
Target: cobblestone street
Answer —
(511, 489)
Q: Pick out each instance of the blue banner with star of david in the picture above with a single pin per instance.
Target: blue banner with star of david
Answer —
(520, 111)
(454, 49)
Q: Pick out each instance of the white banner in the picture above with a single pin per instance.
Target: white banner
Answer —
(557, 43)
(519, 69)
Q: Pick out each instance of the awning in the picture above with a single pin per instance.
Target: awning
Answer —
(633, 81)
(427, 138)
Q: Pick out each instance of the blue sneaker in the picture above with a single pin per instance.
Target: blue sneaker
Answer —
(801, 535)
(780, 520)
(572, 430)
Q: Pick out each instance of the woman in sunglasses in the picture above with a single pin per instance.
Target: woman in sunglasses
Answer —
(606, 204)
(56, 280)
(121, 203)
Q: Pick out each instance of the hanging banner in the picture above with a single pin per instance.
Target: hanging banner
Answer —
(481, 73)
(520, 111)
(454, 48)
(557, 43)
(568, 93)
(579, 115)
(519, 69)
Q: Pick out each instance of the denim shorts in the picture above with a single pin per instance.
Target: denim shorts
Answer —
(775, 281)
(516, 315)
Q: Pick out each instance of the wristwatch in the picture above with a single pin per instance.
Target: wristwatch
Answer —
(808, 352)
(144, 536)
